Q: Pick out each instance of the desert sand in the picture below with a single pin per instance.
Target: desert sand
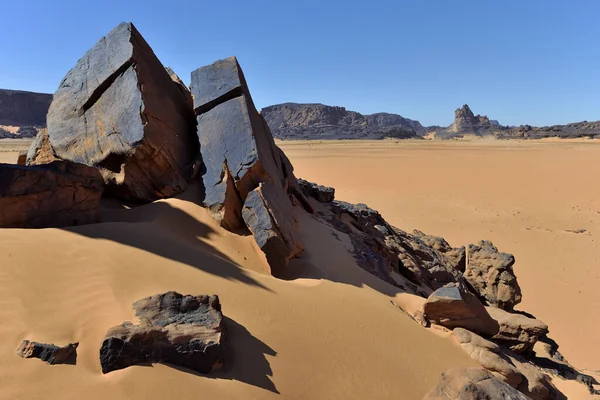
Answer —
(329, 329)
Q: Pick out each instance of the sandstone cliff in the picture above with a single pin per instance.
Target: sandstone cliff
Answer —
(21, 112)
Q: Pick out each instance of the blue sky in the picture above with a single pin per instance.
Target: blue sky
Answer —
(518, 61)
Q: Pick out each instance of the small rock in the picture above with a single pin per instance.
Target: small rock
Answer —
(472, 384)
(491, 275)
(186, 331)
(22, 159)
(48, 352)
(517, 332)
(453, 306)
(323, 194)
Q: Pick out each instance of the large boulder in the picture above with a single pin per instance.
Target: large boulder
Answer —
(472, 384)
(58, 194)
(239, 154)
(491, 275)
(182, 330)
(517, 332)
(488, 355)
(49, 353)
(119, 110)
(453, 306)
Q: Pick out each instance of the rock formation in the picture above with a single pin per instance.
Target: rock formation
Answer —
(472, 384)
(58, 194)
(25, 111)
(119, 110)
(323, 194)
(454, 306)
(517, 332)
(318, 121)
(491, 275)
(48, 352)
(245, 179)
(185, 331)
(466, 122)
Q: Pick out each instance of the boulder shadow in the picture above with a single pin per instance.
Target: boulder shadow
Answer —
(168, 232)
(245, 359)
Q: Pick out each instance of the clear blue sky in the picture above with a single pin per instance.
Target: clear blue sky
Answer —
(518, 61)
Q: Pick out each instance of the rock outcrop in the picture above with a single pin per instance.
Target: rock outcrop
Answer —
(568, 131)
(58, 194)
(119, 110)
(490, 273)
(48, 352)
(181, 330)
(453, 306)
(318, 121)
(466, 122)
(472, 384)
(23, 109)
(246, 177)
(323, 194)
(517, 332)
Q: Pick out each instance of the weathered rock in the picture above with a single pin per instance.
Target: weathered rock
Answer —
(323, 194)
(517, 332)
(41, 151)
(536, 384)
(239, 155)
(490, 274)
(453, 306)
(48, 352)
(58, 194)
(486, 353)
(267, 214)
(457, 256)
(472, 384)
(119, 110)
(181, 330)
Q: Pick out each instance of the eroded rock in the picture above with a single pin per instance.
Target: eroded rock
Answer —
(472, 384)
(119, 110)
(181, 330)
(49, 353)
(323, 194)
(58, 194)
(517, 332)
(491, 275)
(453, 306)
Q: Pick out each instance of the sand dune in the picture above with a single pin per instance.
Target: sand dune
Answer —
(335, 336)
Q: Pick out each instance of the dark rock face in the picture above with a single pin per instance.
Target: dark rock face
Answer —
(491, 275)
(453, 306)
(58, 194)
(19, 108)
(472, 384)
(318, 121)
(246, 177)
(185, 331)
(323, 194)
(119, 110)
(48, 352)
(572, 130)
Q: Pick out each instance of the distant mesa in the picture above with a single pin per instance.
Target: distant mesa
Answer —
(22, 113)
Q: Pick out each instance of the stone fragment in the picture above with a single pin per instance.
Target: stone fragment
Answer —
(517, 332)
(119, 110)
(490, 274)
(181, 330)
(453, 306)
(48, 352)
(472, 384)
(58, 194)
(41, 152)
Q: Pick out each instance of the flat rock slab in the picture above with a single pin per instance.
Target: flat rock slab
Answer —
(48, 352)
(180, 330)
(119, 110)
(58, 194)
(453, 306)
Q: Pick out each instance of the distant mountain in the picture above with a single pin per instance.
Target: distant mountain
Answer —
(319, 121)
(572, 130)
(22, 113)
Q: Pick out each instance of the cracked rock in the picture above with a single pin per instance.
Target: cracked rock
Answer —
(119, 110)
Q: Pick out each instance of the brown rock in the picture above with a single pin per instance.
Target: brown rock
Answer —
(491, 275)
(517, 332)
(41, 151)
(486, 353)
(472, 384)
(22, 159)
(185, 331)
(58, 194)
(453, 306)
(48, 352)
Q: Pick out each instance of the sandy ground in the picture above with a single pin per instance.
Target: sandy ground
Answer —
(527, 197)
(329, 331)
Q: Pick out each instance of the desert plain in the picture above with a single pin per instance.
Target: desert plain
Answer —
(327, 329)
